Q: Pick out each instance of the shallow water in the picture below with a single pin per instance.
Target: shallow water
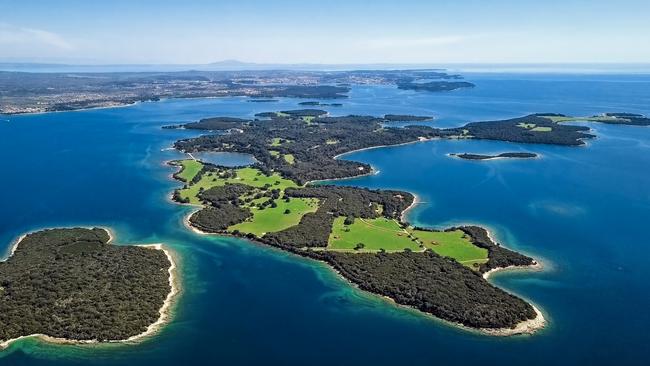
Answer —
(582, 211)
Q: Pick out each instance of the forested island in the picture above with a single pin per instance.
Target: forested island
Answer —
(72, 285)
(506, 155)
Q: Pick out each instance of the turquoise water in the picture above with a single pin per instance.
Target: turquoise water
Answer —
(583, 211)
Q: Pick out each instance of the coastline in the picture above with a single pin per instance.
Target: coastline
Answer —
(526, 327)
(165, 311)
(416, 201)
(120, 105)
(420, 139)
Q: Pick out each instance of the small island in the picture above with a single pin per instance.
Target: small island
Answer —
(72, 286)
(506, 155)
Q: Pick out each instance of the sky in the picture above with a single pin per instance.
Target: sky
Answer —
(325, 32)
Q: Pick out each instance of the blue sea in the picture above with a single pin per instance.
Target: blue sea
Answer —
(582, 211)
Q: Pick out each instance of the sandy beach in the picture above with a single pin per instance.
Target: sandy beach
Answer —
(165, 310)
(416, 201)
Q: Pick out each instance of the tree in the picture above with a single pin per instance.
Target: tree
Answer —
(359, 246)
(287, 211)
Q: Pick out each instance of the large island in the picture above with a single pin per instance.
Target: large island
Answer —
(72, 286)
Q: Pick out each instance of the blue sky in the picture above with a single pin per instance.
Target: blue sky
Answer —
(331, 31)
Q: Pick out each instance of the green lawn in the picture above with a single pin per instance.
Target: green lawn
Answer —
(533, 127)
(289, 158)
(274, 153)
(276, 141)
(248, 176)
(452, 244)
(190, 168)
(271, 220)
(375, 234)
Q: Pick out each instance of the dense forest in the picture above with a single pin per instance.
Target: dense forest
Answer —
(529, 129)
(432, 284)
(70, 283)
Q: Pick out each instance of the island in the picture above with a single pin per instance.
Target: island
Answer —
(72, 285)
(506, 155)
(360, 233)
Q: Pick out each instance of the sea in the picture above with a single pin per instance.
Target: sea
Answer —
(582, 212)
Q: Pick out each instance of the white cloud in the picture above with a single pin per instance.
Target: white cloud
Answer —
(12, 35)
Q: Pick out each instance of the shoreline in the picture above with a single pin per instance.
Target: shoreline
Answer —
(121, 105)
(526, 327)
(420, 139)
(416, 201)
(165, 311)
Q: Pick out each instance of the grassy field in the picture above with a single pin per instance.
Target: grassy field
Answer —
(452, 244)
(289, 158)
(190, 169)
(274, 153)
(274, 219)
(534, 127)
(248, 176)
(276, 141)
(375, 234)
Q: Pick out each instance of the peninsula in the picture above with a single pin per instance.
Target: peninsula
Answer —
(72, 286)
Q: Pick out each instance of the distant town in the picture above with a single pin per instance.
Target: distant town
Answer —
(22, 92)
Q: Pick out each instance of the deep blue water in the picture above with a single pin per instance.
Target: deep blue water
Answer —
(582, 211)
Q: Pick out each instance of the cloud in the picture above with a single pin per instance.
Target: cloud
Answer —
(12, 35)
(417, 42)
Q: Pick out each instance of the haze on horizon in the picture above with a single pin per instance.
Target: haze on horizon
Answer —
(332, 32)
